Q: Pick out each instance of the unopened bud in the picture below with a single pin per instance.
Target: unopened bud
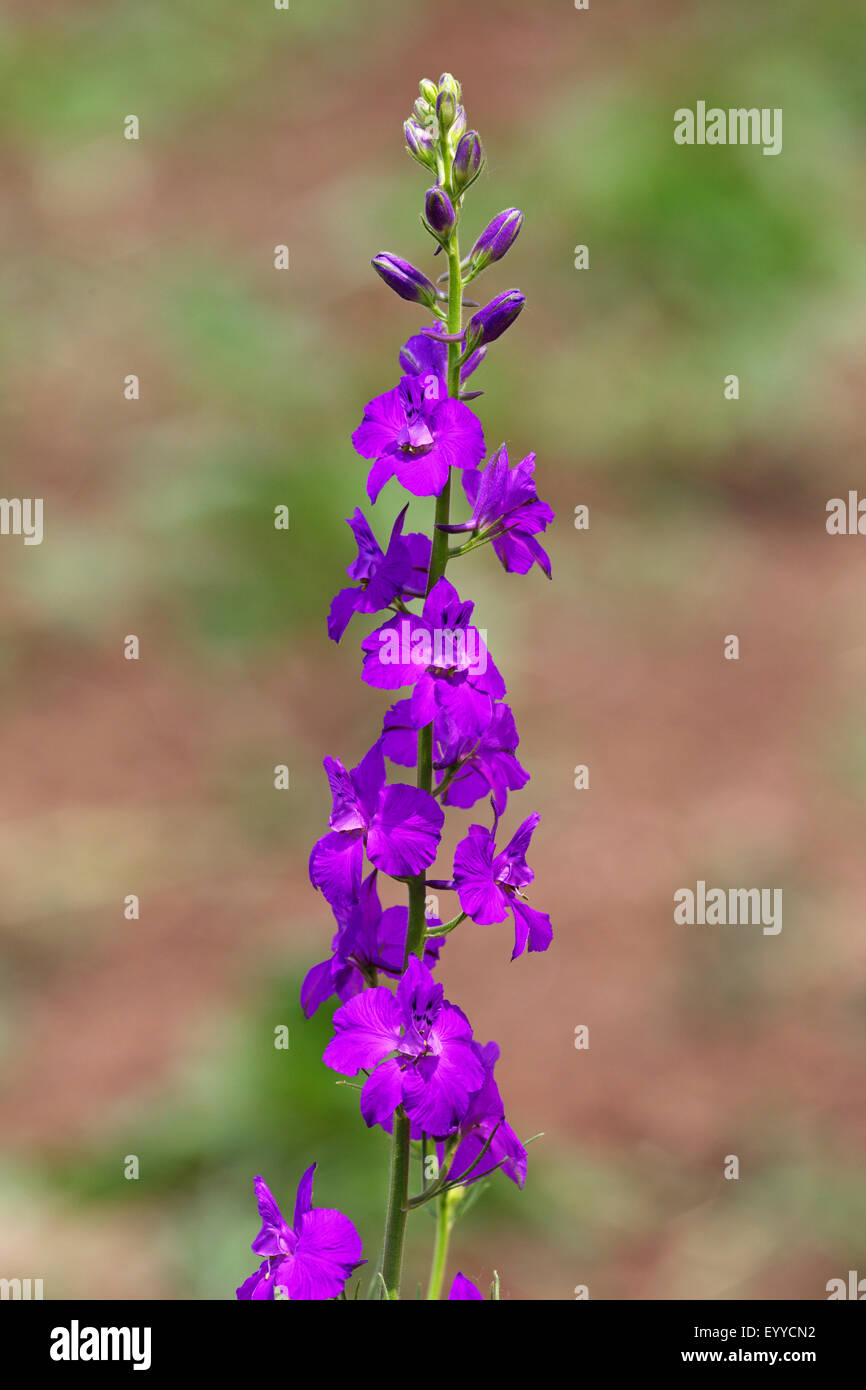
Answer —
(439, 211)
(420, 144)
(492, 321)
(457, 129)
(447, 83)
(405, 279)
(468, 160)
(497, 238)
(446, 109)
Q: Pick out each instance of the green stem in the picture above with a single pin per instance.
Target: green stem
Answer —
(417, 928)
(395, 1219)
(439, 556)
(444, 1225)
(448, 926)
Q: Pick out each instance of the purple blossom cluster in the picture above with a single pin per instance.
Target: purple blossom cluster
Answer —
(427, 1080)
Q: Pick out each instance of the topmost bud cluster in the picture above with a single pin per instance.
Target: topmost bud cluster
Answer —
(437, 137)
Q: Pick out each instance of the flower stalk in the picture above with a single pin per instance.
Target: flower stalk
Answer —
(425, 1077)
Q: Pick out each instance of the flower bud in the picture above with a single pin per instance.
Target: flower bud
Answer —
(429, 91)
(458, 127)
(497, 238)
(439, 211)
(446, 109)
(404, 279)
(447, 83)
(491, 321)
(468, 159)
(420, 144)
(421, 112)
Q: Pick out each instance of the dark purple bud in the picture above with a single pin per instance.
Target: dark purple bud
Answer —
(404, 279)
(497, 238)
(420, 144)
(446, 109)
(491, 321)
(468, 159)
(439, 211)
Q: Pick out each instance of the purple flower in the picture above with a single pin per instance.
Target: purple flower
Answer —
(443, 655)
(504, 500)
(489, 884)
(487, 767)
(426, 355)
(368, 941)
(399, 825)
(484, 1130)
(434, 1069)
(463, 1288)
(497, 238)
(405, 279)
(476, 765)
(312, 1259)
(417, 433)
(401, 572)
(492, 321)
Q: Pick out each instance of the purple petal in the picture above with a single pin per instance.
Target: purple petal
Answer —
(329, 1248)
(530, 926)
(418, 993)
(369, 550)
(382, 1093)
(304, 1199)
(463, 1288)
(458, 433)
(423, 354)
(347, 812)
(424, 475)
(317, 987)
(518, 552)
(437, 1101)
(395, 653)
(404, 836)
(381, 473)
(444, 608)
(383, 420)
(335, 866)
(368, 779)
(344, 605)
(257, 1286)
(480, 897)
(365, 1031)
(400, 735)
(267, 1203)
(511, 866)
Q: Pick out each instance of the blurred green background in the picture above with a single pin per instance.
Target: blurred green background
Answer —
(155, 257)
